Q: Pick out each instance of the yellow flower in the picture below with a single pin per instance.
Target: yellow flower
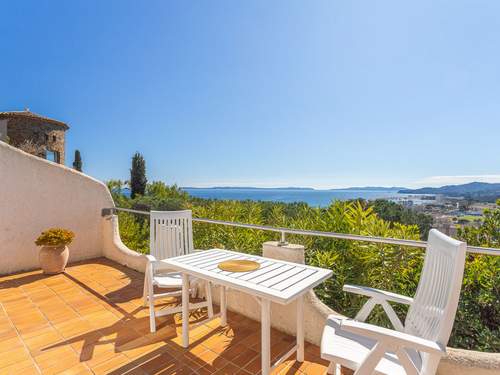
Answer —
(55, 237)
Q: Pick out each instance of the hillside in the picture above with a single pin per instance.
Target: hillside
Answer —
(481, 191)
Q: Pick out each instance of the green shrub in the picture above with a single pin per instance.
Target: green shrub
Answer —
(478, 317)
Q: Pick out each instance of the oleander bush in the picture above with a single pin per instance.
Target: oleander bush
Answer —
(388, 267)
(55, 237)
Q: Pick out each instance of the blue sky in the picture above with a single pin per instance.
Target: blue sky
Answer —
(282, 93)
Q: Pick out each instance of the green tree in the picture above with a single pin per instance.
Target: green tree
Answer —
(397, 213)
(77, 163)
(138, 180)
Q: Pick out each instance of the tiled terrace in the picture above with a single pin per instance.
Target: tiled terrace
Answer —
(90, 320)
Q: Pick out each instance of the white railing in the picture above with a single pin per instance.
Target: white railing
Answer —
(341, 236)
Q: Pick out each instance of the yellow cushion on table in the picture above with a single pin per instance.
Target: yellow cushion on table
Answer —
(239, 265)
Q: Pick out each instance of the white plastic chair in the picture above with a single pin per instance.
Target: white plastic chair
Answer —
(415, 348)
(171, 235)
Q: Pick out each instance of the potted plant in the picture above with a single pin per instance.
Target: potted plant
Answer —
(54, 253)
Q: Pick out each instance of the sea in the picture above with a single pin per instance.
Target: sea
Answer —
(315, 198)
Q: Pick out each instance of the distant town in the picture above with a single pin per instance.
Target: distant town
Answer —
(448, 213)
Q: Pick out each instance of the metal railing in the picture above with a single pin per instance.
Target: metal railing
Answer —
(341, 236)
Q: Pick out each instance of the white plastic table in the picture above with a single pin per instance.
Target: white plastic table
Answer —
(275, 281)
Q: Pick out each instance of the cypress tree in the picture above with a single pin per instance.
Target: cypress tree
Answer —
(77, 163)
(138, 178)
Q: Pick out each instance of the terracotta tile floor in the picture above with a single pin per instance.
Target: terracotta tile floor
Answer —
(90, 320)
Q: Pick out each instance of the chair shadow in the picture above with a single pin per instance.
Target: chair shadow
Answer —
(122, 339)
(234, 336)
(166, 331)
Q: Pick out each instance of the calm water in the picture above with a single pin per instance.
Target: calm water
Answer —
(312, 197)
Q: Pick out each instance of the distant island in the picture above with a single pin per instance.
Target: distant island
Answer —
(482, 191)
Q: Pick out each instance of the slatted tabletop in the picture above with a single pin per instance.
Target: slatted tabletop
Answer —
(276, 280)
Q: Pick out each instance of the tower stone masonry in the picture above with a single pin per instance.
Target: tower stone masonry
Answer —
(46, 135)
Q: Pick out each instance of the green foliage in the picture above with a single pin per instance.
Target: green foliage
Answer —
(388, 267)
(77, 163)
(396, 213)
(55, 237)
(479, 304)
(134, 231)
(245, 240)
(158, 196)
(115, 186)
(138, 178)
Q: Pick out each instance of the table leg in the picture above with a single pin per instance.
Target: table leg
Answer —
(185, 310)
(300, 329)
(265, 323)
(223, 306)
(208, 292)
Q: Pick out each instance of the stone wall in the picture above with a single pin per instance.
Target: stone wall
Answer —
(44, 134)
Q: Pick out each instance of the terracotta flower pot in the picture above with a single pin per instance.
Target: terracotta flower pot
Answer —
(53, 259)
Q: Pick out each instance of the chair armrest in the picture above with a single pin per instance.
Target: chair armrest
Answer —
(392, 337)
(378, 294)
(156, 265)
(153, 264)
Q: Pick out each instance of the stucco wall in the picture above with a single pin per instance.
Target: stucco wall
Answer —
(115, 249)
(35, 195)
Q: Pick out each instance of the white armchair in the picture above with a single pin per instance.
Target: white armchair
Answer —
(416, 347)
(170, 235)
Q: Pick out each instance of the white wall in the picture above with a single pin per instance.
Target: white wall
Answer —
(115, 249)
(36, 194)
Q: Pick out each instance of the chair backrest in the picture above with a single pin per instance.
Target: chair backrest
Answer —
(432, 312)
(171, 233)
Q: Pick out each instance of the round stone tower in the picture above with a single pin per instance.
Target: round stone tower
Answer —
(45, 136)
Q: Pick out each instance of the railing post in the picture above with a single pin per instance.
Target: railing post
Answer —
(108, 211)
(290, 252)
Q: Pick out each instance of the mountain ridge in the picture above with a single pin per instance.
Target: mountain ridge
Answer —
(483, 191)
